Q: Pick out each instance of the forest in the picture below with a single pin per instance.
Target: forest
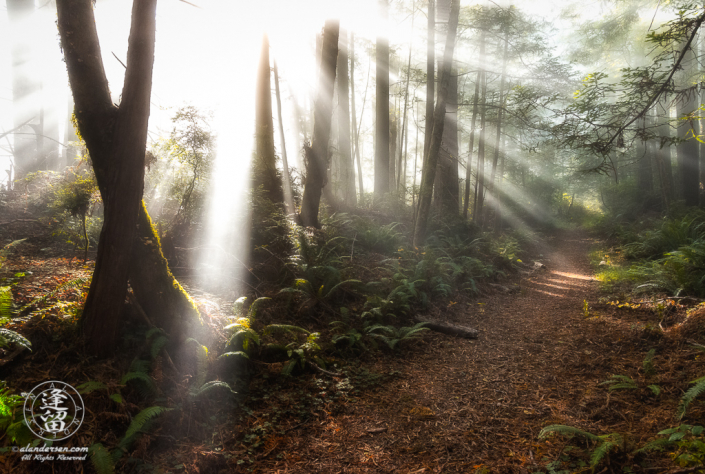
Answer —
(399, 236)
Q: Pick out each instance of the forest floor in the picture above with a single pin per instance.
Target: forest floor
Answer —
(439, 405)
(454, 405)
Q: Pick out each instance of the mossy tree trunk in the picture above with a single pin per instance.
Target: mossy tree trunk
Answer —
(116, 139)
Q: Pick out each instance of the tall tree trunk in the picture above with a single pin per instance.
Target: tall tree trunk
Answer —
(430, 74)
(393, 145)
(663, 153)
(493, 196)
(265, 166)
(355, 130)
(431, 162)
(288, 196)
(468, 167)
(382, 111)
(687, 151)
(404, 126)
(115, 138)
(643, 158)
(317, 156)
(347, 165)
(480, 180)
(446, 189)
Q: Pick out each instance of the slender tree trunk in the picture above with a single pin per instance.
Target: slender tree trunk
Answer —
(431, 162)
(382, 112)
(480, 180)
(430, 75)
(493, 196)
(406, 105)
(359, 126)
(288, 196)
(663, 154)
(643, 158)
(317, 156)
(265, 166)
(393, 134)
(354, 129)
(344, 148)
(468, 167)
(687, 151)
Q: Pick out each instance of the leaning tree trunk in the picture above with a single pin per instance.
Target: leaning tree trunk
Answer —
(430, 74)
(317, 156)
(431, 162)
(116, 138)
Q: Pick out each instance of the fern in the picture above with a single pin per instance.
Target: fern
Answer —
(5, 303)
(690, 395)
(233, 353)
(138, 373)
(157, 346)
(255, 307)
(208, 387)
(139, 421)
(101, 459)
(566, 430)
(620, 382)
(76, 283)
(90, 386)
(8, 337)
(279, 328)
(648, 364)
(610, 442)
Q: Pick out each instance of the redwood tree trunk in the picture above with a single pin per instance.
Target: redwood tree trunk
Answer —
(431, 162)
(116, 138)
(346, 161)
(317, 156)
(382, 113)
(468, 167)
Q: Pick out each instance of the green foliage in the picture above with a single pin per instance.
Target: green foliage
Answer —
(101, 459)
(603, 444)
(11, 417)
(693, 392)
(393, 337)
(78, 283)
(648, 363)
(620, 382)
(139, 377)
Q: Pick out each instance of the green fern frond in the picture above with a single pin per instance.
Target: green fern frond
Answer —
(101, 459)
(410, 332)
(157, 346)
(690, 395)
(381, 327)
(8, 336)
(256, 306)
(620, 382)
(603, 450)
(233, 353)
(146, 387)
(659, 444)
(139, 421)
(90, 386)
(566, 430)
(209, 386)
(289, 367)
(339, 286)
(655, 389)
(5, 303)
(239, 306)
(278, 328)
(648, 364)
(152, 331)
(76, 283)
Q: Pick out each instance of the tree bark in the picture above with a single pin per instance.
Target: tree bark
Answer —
(480, 180)
(265, 165)
(468, 167)
(346, 159)
(430, 74)
(663, 154)
(431, 162)
(493, 196)
(116, 138)
(317, 156)
(355, 128)
(382, 112)
(687, 151)
(288, 196)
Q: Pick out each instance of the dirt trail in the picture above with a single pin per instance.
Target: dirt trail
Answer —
(463, 405)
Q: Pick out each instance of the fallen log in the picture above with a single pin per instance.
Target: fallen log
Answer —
(450, 329)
